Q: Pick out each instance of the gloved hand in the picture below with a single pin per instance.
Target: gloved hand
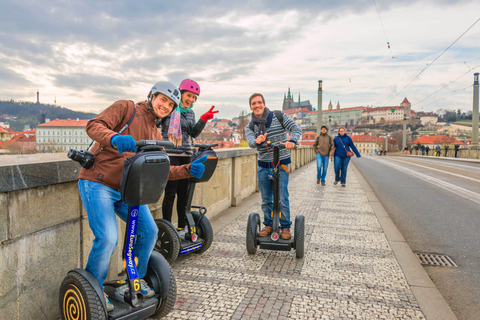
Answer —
(209, 114)
(197, 168)
(123, 143)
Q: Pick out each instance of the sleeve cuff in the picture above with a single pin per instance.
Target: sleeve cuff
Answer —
(293, 141)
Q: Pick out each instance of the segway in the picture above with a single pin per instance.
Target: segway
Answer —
(144, 178)
(274, 241)
(198, 235)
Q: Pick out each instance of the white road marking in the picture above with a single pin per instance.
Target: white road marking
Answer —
(467, 194)
(442, 171)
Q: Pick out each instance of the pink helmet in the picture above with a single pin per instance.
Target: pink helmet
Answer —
(189, 85)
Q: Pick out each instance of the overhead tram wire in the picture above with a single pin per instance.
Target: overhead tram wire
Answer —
(451, 94)
(428, 65)
(416, 104)
(383, 28)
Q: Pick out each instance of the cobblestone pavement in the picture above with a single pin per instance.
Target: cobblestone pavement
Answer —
(349, 270)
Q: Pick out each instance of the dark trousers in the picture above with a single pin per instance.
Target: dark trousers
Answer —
(177, 188)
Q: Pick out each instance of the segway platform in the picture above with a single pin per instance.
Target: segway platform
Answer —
(280, 244)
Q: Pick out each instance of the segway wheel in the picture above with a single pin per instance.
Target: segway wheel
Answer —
(204, 230)
(299, 236)
(253, 227)
(79, 300)
(156, 277)
(168, 242)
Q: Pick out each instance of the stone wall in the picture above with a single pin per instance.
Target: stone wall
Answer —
(44, 229)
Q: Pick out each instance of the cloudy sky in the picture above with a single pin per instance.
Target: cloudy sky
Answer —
(89, 54)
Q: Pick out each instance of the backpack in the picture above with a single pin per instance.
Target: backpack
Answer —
(279, 116)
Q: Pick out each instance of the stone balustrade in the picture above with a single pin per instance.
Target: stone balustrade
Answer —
(44, 229)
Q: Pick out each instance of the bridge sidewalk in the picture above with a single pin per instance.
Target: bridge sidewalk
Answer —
(356, 265)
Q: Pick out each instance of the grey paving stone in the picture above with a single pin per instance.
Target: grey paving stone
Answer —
(348, 271)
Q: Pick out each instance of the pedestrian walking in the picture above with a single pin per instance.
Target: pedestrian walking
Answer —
(411, 149)
(446, 149)
(457, 146)
(179, 127)
(416, 150)
(343, 145)
(323, 147)
(423, 150)
(406, 150)
(427, 149)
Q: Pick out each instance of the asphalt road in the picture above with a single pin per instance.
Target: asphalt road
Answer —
(436, 206)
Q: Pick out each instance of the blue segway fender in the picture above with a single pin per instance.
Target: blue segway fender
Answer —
(94, 282)
(160, 266)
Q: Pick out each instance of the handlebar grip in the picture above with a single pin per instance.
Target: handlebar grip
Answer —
(165, 144)
(198, 145)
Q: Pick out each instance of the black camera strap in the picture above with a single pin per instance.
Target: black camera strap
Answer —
(122, 128)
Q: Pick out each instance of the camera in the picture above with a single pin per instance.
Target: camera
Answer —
(85, 158)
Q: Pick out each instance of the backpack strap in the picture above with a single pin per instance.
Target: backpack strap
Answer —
(122, 128)
(278, 114)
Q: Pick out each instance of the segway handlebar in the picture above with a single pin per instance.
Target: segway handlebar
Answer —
(280, 146)
(204, 146)
(144, 143)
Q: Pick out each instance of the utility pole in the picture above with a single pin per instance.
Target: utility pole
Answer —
(330, 125)
(319, 109)
(404, 144)
(475, 112)
(386, 142)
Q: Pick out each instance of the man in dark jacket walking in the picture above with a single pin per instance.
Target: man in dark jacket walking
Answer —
(323, 147)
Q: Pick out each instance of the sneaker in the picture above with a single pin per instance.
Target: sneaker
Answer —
(318, 181)
(108, 303)
(323, 184)
(335, 183)
(265, 232)
(343, 185)
(146, 290)
(285, 234)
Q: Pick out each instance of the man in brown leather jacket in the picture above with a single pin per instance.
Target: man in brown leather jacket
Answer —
(99, 184)
(323, 147)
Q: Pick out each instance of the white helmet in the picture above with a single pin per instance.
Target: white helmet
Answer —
(168, 89)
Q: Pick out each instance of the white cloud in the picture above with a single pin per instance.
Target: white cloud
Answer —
(91, 54)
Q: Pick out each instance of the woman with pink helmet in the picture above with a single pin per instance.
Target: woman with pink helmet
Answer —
(180, 127)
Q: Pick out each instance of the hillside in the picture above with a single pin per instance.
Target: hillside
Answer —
(29, 113)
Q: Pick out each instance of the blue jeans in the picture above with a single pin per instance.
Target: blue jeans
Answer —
(266, 189)
(322, 166)
(102, 203)
(341, 165)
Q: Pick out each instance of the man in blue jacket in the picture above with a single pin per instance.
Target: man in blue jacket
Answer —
(342, 144)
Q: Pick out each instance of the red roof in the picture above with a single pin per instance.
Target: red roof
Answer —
(436, 140)
(405, 100)
(64, 123)
(383, 108)
(296, 110)
(2, 130)
(363, 138)
(342, 109)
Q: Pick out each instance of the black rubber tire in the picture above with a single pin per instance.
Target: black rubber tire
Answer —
(204, 231)
(166, 305)
(153, 279)
(299, 235)
(166, 232)
(250, 238)
(75, 285)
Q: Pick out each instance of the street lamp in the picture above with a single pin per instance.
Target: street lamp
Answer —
(386, 143)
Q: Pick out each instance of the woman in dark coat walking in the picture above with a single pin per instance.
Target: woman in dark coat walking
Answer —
(342, 144)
